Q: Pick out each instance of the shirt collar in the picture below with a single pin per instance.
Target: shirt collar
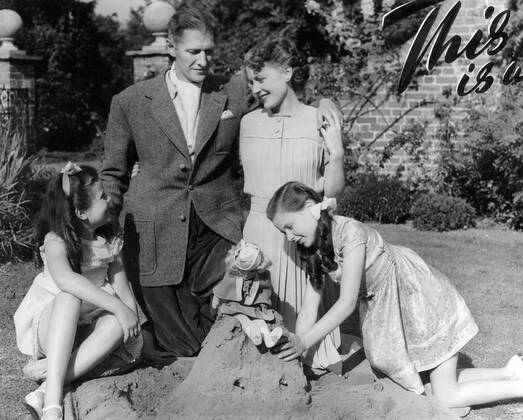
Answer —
(173, 82)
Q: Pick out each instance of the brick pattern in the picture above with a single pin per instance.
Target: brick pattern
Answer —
(431, 86)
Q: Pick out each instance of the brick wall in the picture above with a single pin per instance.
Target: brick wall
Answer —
(431, 86)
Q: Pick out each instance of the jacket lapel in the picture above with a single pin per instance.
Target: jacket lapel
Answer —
(212, 103)
(163, 111)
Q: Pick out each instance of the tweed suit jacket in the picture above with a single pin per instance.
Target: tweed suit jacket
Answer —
(155, 205)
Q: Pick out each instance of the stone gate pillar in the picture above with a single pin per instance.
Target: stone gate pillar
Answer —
(148, 61)
(17, 78)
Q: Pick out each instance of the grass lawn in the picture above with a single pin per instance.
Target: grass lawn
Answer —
(485, 265)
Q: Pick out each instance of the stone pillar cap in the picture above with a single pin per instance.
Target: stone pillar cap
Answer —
(10, 24)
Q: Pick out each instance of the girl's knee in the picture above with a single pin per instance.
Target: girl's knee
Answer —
(109, 324)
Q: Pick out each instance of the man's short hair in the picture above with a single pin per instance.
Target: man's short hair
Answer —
(191, 17)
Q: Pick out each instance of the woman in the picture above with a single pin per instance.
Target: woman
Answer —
(282, 142)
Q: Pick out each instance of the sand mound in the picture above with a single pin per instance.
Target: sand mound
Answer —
(233, 379)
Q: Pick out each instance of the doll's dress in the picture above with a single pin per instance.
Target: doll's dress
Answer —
(275, 149)
(250, 295)
(97, 255)
(412, 318)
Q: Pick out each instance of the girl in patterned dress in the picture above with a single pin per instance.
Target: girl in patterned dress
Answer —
(413, 319)
(83, 283)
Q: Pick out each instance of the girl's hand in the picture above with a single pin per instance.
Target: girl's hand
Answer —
(290, 349)
(331, 132)
(136, 169)
(128, 321)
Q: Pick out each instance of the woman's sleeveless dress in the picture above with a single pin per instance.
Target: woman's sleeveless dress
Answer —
(412, 317)
(275, 149)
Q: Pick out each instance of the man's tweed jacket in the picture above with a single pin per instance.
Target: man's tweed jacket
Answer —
(155, 205)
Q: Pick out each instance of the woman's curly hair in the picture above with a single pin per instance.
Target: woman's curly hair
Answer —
(281, 52)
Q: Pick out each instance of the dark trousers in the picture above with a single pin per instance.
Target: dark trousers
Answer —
(181, 314)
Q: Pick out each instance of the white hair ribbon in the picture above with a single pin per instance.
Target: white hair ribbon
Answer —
(69, 169)
(326, 204)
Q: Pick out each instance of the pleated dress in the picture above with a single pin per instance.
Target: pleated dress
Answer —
(412, 317)
(275, 149)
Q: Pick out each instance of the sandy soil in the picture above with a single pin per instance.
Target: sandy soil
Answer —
(233, 379)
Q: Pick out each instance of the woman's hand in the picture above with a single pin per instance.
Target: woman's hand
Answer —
(331, 133)
(128, 321)
(290, 349)
(328, 111)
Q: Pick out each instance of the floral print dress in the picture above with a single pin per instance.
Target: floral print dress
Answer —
(412, 317)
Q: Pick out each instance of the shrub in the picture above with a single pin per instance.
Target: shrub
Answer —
(488, 169)
(440, 212)
(516, 219)
(15, 217)
(377, 198)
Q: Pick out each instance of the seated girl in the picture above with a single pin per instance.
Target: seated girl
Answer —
(83, 283)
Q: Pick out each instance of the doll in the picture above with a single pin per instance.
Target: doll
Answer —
(245, 293)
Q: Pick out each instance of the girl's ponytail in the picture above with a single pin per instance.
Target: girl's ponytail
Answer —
(319, 258)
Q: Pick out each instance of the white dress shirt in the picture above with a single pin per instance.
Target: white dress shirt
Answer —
(186, 99)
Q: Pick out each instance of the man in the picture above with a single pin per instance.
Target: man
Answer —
(181, 213)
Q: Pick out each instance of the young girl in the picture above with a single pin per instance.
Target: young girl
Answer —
(413, 319)
(83, 283)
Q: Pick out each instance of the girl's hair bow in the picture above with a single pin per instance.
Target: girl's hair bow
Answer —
(69, 169)
(326, 204)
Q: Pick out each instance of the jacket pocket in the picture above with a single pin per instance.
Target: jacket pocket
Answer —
(140, 246)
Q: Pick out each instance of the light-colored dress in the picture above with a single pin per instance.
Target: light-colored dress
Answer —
(412, 317)
(97, 255)
(275, 149)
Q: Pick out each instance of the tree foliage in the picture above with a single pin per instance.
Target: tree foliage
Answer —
(83, 65)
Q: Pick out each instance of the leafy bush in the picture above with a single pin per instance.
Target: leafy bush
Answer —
(516, 218)
(378, 198)
(440, 212)
(15, 217)
(480, 161)
(487, 171)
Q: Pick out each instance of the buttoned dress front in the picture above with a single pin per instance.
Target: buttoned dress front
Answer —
(275, 149)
